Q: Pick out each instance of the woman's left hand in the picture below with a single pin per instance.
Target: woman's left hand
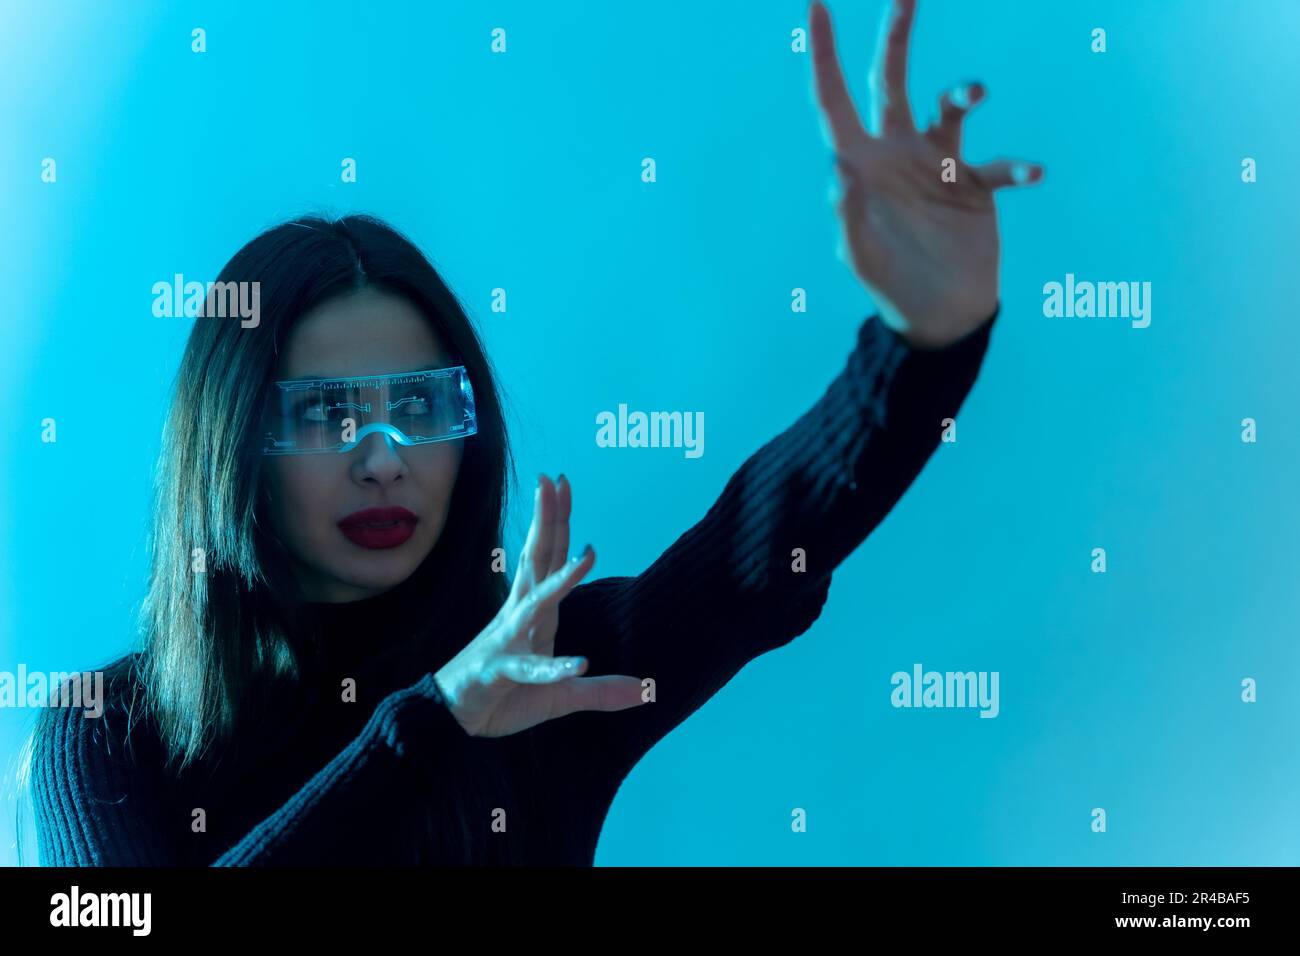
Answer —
(926, 248)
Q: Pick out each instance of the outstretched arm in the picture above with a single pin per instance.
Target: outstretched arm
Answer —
(920, 228)
(728, 590)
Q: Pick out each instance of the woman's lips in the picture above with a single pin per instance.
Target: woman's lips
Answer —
(377, 528)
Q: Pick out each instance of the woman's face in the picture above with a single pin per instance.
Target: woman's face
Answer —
(365, 333)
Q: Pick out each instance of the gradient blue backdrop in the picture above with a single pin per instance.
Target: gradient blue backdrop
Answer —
(522, 171)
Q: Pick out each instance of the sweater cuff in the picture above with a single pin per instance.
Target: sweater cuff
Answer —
(970, 345)
(441, 721)
(884, 362)
(417, 724)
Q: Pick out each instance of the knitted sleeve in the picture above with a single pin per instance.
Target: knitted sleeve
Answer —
(729, 588)
(97, 805)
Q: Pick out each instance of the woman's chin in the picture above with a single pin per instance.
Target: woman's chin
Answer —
(378, 570)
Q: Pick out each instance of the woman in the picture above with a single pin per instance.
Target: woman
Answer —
(334, 670)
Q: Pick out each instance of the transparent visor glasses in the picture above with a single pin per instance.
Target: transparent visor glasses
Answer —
(315, 415)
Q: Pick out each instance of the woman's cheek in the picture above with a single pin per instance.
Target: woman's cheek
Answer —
(309, 499)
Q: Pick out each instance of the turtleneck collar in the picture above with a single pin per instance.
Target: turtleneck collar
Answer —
(397, 605)
(356, 635)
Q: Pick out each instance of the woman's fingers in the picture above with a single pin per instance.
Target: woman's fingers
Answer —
(605, 693)
(890, 111)
(563, 508)
(548, 593)
(540, 552)
(538, 668)
(1006, 172)
(535, 557)
(954, 104)
(524, 568)
(832, 92)
(543, 578)
(568, 692)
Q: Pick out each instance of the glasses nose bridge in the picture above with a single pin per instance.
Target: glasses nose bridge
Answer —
(388, 434)
(379, 459)
(372, 408)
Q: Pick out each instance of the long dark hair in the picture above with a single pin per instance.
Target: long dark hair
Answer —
(213, 644)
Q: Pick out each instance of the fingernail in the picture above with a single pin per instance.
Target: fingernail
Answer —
(586, 551)
(561, 478)
(1019, 173)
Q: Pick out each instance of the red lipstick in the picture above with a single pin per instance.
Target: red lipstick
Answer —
(377, 528)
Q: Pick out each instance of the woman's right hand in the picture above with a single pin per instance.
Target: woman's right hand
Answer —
(507, 679)
(925, 244)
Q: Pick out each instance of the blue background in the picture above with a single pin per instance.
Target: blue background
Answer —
(522, 171)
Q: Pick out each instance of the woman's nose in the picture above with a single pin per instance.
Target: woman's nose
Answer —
(377, 458)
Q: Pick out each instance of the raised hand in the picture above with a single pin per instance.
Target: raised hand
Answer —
(927, 250)
(507, 679)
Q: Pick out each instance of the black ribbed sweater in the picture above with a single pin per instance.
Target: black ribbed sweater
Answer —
(398, 781)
